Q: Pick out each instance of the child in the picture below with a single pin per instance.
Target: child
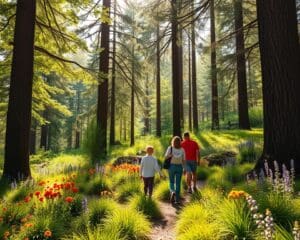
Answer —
(149, 166)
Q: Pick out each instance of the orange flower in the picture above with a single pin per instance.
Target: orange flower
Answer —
(41, 199)
(42, 183)
(37, 193)
(28, 225)
(6, 234)
(27, 238)
(69, 199)
(47, 233)
(27, 199)
(75, 190)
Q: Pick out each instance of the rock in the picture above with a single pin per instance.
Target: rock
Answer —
(221, 158)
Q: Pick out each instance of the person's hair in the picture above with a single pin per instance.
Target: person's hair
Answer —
(176, 142)
(186, 134)
(149, 148)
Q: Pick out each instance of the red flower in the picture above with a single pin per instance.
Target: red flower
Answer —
(37, 193)
(75, 190)
(41, 199)
(69, 199)
(27, 199)
(47, 233)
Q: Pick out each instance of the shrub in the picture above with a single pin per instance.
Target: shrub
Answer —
(218, 180)
(91, 142)
(233, 174)
(196, 222)
(236, 219)
(146, 205)
(256, 117)
(220, 158)
(98, 210)
(96, 234)
(95, 185)
(284, 210)
(131, 224)
(202, 173)
(247, 152)
(128, 189)
(162, 191)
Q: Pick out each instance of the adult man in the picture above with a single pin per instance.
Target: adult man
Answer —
(192, 150)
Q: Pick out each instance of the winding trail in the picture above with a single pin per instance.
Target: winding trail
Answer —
(165, 229)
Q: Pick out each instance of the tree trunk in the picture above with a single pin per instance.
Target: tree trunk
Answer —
(194, 78)
(44, 144)
(190, 85)
(132, 100)
(16, 163)
(280, 60)
(180, 68)
(175, 72)
(244, 122)
(102, 105)
(214, 82)
(32, 138)
(77, 134)
(147, 107)
(113, 85)
(158, 102)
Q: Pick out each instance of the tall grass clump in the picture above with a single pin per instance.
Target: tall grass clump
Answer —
(162, 191)
(128, 189)
(256, 117)
(94, 185)
(129, 223)
(146, 205)
(197, 222)
(98, 210)
(248, 153)
(95, 234)
(235, 219)
(91, 142)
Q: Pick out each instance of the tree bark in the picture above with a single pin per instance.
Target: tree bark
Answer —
(147, 107)
(214, 81)
(194, 78)
(102, 104)
(44, 143)
(244, 122)
(280, 61)
(132, 99)
(77, 134)
(113, 85)
(32, 138)
(190, 85)
(158, 102)
(175, 72)
(16, 163)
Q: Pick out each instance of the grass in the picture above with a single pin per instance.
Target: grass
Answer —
(130, 224)
(147, 206)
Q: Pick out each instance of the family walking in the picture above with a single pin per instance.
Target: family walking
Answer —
(181, 157)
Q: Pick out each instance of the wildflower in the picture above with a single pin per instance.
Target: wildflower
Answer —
(41, 183)
(27, 199)
(6, 234)
(47, 233)
(296, 231)
(69, 199)
(37, 193)
(41, 199)
(75, 190)
(28, 225)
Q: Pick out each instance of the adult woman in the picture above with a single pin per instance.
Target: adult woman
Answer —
(176, 168)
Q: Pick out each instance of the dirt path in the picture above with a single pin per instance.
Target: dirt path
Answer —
(165, 228)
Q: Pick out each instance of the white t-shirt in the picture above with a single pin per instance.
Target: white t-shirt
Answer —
(149, 166)
(178, 155)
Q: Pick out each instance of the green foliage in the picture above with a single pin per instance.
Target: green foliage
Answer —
(256, 117)
(90, 142)
(282, 234)
(248, 152)
(129, 189)
(235, 218)
(98, 210)
(94, 185)
(196, 221)
(162, 191)
(146, 205)
(96, 234)
(129, 223)
(202, 173)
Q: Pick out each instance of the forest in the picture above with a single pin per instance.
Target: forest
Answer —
(91, 89)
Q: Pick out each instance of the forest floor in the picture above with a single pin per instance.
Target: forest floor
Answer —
(165, 229)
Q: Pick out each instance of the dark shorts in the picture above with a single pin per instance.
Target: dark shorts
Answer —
(191, 166)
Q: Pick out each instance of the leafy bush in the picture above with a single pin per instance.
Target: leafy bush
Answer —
(98, 210)
(247, 152)
(129, 223)
(91, 142)
(256, 117)
(128, 189)
(206, 227)
(146, 205)
(235, 218)
(202, 173)
(162, 191)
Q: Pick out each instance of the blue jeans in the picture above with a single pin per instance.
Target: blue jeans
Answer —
(175, 174)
